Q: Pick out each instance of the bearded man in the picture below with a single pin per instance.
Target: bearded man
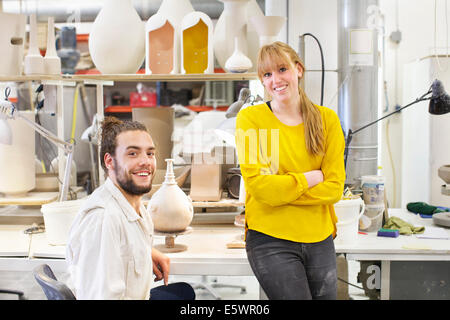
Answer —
(109, 251)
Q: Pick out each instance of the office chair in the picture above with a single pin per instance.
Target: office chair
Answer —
(210, 287)
(20, 294)
(53, 289)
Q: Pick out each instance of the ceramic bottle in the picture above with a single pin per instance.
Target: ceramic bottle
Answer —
(33, 62)
(170, 208)
(238, 62)
(52, 63)
(232, 23)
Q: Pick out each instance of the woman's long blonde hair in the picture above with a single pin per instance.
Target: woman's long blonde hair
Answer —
(278, 53)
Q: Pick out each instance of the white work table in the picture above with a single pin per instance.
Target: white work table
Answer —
(207, 252)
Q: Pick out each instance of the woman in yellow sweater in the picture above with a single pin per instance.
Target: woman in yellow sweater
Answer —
(291, 154)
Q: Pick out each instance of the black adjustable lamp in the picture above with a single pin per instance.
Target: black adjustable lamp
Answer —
(439, 104)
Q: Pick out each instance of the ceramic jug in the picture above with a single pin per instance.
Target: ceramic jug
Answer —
(170, 208)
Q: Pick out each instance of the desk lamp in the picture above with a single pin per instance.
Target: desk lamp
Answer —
(9, 111)
(439, 104)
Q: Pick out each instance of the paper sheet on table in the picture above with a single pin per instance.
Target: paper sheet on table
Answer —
(433, 233)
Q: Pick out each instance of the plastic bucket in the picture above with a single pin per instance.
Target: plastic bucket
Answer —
(348, 213)
(373, 189)
(374, 217)
(58, 218)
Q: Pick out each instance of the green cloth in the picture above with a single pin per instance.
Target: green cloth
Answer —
(403, 226)
(423, 208)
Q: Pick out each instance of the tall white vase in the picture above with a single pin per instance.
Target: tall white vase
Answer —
(232, 23)
(162, 45)
(253, 10)
(17, 173)
(268, 28)
(52, 63)
(197, 54)
(116, 40)
(170, 208)
(33, 62)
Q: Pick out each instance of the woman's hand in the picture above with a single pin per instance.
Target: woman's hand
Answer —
(314, 177)
(161, 266)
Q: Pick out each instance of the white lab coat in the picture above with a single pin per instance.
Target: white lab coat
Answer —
(109, 248)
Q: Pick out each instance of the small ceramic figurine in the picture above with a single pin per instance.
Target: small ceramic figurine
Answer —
(170, 208)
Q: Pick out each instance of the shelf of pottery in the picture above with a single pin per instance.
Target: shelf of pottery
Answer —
(177, 43)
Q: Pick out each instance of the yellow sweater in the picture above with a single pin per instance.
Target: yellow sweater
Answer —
(273, 157)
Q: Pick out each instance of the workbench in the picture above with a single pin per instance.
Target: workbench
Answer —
(207, 252)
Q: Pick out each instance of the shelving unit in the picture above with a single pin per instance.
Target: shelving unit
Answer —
(135, 77)
(101, 80)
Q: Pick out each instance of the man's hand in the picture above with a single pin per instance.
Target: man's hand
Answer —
(161, 266)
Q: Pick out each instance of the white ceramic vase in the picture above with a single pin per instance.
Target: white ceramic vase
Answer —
(170, 208)
(162, 37)
(116, 40)
(17, 172)
(197, 54)
(232, 23)
(253, 10)
(33, 62)
(52, 63)
(238, 62)
(267, 27)
(12, 35)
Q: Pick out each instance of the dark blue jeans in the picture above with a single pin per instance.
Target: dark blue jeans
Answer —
(288, 270)
(173, 291)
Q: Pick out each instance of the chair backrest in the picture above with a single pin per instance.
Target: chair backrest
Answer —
(53, 289)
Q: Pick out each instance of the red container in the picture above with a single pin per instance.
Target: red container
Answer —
(143, 99)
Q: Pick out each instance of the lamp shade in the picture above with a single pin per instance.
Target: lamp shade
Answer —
(5, 132)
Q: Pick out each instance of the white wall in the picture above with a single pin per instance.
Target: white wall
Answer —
(416, 21)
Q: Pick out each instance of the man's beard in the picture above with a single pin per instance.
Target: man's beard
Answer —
(127, 184)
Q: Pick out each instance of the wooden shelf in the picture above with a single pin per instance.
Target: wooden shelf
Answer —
(135, 77)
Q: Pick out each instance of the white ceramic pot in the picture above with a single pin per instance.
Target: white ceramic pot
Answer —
(162, 37)
(232, 23)
(197, 54)
(17, 172)
(52, 63)
(348, 213)
(267, 28)
(58, 218)
(33, 62)
(238, 62)
(12, 35)
(116, 40)
(160, 46)
(170, 208)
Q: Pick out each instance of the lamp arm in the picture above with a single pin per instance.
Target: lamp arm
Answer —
(351, 133)
(394, 112)
(68, 148)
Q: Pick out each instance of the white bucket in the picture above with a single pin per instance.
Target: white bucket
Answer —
(373, 189)
(348, 213)
(374, 218)
(58, 218)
